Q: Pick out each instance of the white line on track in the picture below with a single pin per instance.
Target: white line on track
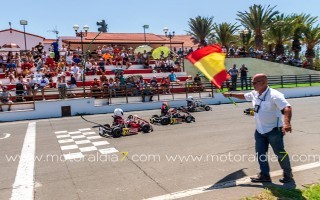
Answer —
(233, 183)
(23, 187)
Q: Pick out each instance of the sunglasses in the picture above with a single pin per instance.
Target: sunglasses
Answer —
(254, 82)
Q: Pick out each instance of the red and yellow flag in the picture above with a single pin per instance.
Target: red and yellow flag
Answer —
(210, 61)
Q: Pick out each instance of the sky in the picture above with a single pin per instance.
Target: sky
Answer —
(128, 16)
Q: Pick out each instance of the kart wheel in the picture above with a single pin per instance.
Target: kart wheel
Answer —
(207, 108)
(165, 121)
(188, 119)
(116, 132)
(146, 128)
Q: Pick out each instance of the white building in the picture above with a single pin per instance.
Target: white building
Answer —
(8, 36)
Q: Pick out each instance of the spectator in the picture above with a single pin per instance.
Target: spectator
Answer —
(165, 85)
(75, 70)
(55, 46)
(112, 89)
(234, 76)
(173, 77)
(146, 91)
(31, 85)
(20, 89)
(95, 88)
(11, 74)
(232, 52)
(154, 82)
(244, 76)
(5, 98)
(39, 48)
(43, 83)
(62, 86)
(73, 82)
(101, 65)
(197, 81)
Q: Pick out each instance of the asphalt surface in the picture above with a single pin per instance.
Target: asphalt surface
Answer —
(218, 147)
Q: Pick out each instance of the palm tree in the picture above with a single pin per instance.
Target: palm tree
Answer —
(279, 33)
(258, 19)
(201, 29)
(311, 39)
(224, 33)
(300, 22)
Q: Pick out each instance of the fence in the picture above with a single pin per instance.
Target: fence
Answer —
(174, 90)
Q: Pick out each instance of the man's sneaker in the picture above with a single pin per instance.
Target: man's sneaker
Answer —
(286, 179)
(260, 178)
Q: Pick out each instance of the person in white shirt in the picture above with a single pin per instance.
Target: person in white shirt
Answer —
(272, 114)
(75, 70)
(43, 83)
(37, 75)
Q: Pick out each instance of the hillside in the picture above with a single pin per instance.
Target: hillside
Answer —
(256, 66)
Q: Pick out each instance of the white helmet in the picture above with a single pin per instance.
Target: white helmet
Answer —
(118, 112)
(190, 98)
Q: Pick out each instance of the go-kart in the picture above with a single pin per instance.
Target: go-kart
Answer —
(199, 107)
(173, 116)
(249, 111)
(131, 126)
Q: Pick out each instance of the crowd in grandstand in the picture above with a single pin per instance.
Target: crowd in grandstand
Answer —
(36, 70)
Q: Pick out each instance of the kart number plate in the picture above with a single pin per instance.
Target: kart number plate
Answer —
(125, 131)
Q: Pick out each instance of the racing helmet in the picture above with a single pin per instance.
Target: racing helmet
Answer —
(190, 98)
(118, 112)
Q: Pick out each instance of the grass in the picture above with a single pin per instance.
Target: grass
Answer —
(254, 66)
(311, 192)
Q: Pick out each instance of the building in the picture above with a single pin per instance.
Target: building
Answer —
(23, 40)
(28, 40)
(129, 40)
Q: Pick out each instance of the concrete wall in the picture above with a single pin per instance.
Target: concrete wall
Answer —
(52, 108)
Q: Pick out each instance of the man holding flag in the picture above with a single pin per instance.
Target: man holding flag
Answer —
(272, 111)
(272, 115)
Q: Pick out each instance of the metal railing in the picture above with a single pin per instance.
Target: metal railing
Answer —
(172, 91)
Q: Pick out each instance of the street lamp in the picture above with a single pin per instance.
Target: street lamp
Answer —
(24, 23)
(168, 35)
(144, 32)
(82, 33)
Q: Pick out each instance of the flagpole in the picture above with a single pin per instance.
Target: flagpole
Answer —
(231, 100)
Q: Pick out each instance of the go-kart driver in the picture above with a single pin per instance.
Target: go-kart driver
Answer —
(117, 117)
(191, 104)
(164, 108)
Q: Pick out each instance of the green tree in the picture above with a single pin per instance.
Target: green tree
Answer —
(279, 33)
(224, 33)
(201, 29)
(258, 19)
(311, 39)
(299, 23)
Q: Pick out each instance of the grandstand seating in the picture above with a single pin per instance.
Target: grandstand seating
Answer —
(135, 69)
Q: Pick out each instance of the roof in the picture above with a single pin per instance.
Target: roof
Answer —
(49, 41)
(14, 30)
(123, 38)
(188, 41)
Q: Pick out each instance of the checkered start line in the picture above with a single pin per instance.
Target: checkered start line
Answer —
(75, 144)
